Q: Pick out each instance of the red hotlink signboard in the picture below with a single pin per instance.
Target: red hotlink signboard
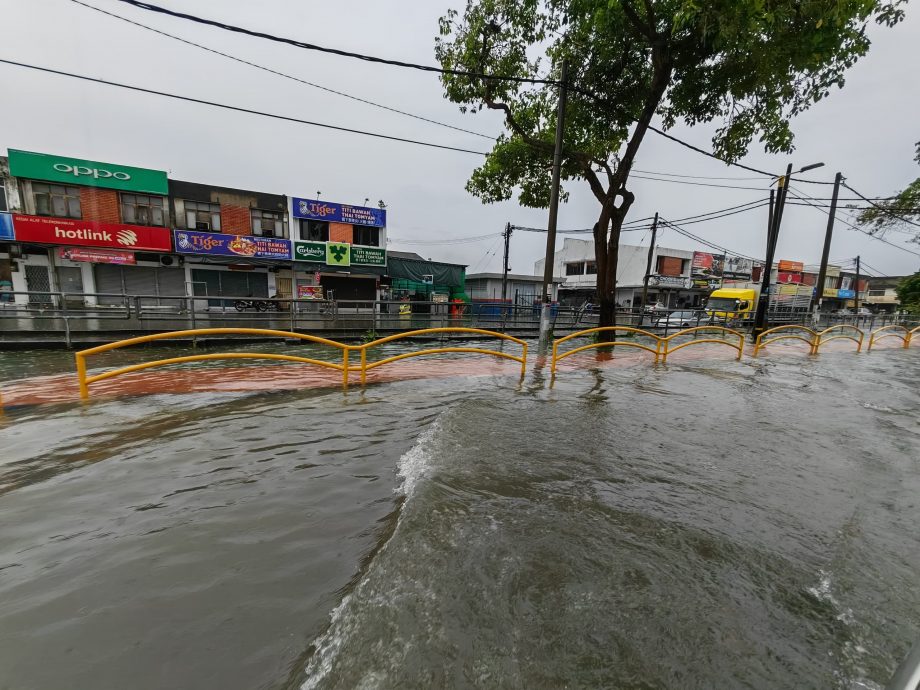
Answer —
(88, 233)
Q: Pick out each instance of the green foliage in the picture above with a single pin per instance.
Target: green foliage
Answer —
(901, 211)
(908, 291)
(748, 64)
(369, 336)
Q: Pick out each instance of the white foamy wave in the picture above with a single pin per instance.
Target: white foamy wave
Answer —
(415, 463)
(412, 467)
(822, 591)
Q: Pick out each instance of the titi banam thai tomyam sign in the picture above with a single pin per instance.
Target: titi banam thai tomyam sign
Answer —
(314, 209)
(245, 246)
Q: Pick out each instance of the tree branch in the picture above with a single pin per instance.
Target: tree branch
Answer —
(637, 22)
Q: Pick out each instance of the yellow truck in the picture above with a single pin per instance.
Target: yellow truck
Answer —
(732, 304)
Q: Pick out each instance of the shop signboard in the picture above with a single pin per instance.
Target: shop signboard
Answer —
(791, 266)
(314, 209)
(338, 254)
(97, 256)
(64, 170)
(309, 292)
(218, 244)
(88, 233)
(737, 267)
(845, 283)
(846, 294)
(310, 251)
(355, 255)
(830, 292)
(670, 281)
(6, 226)
(782, 277)
(705, 264)
(368, 256)
(832, 271)
(788, 290)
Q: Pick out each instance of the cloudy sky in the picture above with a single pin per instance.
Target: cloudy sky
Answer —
(867, 130)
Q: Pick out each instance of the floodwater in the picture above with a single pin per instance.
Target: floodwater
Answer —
(705, 524)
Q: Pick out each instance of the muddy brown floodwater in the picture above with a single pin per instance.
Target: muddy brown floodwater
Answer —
(703, 524)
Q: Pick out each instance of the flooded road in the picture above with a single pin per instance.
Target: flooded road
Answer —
(708, 523)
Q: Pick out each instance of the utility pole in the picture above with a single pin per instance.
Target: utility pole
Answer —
(772, 236)
(822, 272)
(856, 292)
(648, 266)
(553, 209)
(505, 267)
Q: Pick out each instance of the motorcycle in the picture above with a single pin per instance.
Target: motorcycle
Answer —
(257, 304)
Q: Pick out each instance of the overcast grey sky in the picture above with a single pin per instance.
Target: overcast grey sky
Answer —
(867, 130)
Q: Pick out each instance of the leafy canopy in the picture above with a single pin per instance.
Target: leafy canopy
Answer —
(751, 65)
(900, 212)
(908, 291)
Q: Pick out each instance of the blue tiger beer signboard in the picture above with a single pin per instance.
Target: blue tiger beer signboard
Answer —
(314, 209)
(218, 244)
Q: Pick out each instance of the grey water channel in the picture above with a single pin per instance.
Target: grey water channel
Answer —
(704, 524)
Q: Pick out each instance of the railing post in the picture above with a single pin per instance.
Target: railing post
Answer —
(67, 338)
(345, 366)
(81, 375)
(363, 365)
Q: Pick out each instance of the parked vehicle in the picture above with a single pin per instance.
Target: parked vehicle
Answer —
(257, 304)
(731, 304)
(679, 319)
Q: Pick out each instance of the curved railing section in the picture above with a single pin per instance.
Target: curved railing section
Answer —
(759, 343)
(613, 343)
(85, 380)
(666, 342)
(910, 335)
(840, 332)
(899, 332)
(367, 366)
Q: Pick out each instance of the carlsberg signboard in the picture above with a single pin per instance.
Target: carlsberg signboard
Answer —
(63, 170)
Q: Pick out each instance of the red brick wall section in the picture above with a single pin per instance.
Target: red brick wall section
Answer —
(340, 232)
(100, 205)
(235, 220)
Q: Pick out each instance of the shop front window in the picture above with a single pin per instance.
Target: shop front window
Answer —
(369, 237)
(267, 223)
(314, 230)
(202, 216)
(56, 200)
(140, 209)
(577, 269)
(591, 268)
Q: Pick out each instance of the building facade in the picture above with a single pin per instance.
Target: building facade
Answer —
(670, 280)
(520, 289)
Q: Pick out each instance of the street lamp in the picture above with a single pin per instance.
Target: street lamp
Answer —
(772, 237)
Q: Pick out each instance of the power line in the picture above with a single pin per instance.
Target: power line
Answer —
(850, 225)
(698, 184)
(694, 177)
(282, 74)
(881, 208)
(334, 51)
(239, 109)
(712, 245)
(455, 240)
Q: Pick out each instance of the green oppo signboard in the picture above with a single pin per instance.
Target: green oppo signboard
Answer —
(339, 254)
(44, 166)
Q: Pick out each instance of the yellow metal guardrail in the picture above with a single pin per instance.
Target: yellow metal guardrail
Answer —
(839, 334)
(699, 341)
(910, 335)
(366, 366)
(85, 380)
(613, 343)
(759, 344)
(345, 367)
(888, 332)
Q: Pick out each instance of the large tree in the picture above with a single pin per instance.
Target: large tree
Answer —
(749, 64)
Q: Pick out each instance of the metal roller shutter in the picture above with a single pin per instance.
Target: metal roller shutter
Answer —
(108, 280)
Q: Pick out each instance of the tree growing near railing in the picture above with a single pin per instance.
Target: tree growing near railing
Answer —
(747, 64)
(908, 291)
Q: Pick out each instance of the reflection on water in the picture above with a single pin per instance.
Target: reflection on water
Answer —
(708, 523)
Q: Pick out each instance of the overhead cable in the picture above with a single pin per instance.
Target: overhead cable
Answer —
(334, 51)
(283, 74)
(239, 109)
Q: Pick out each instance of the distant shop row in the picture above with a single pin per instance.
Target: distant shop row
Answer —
(81, 226)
